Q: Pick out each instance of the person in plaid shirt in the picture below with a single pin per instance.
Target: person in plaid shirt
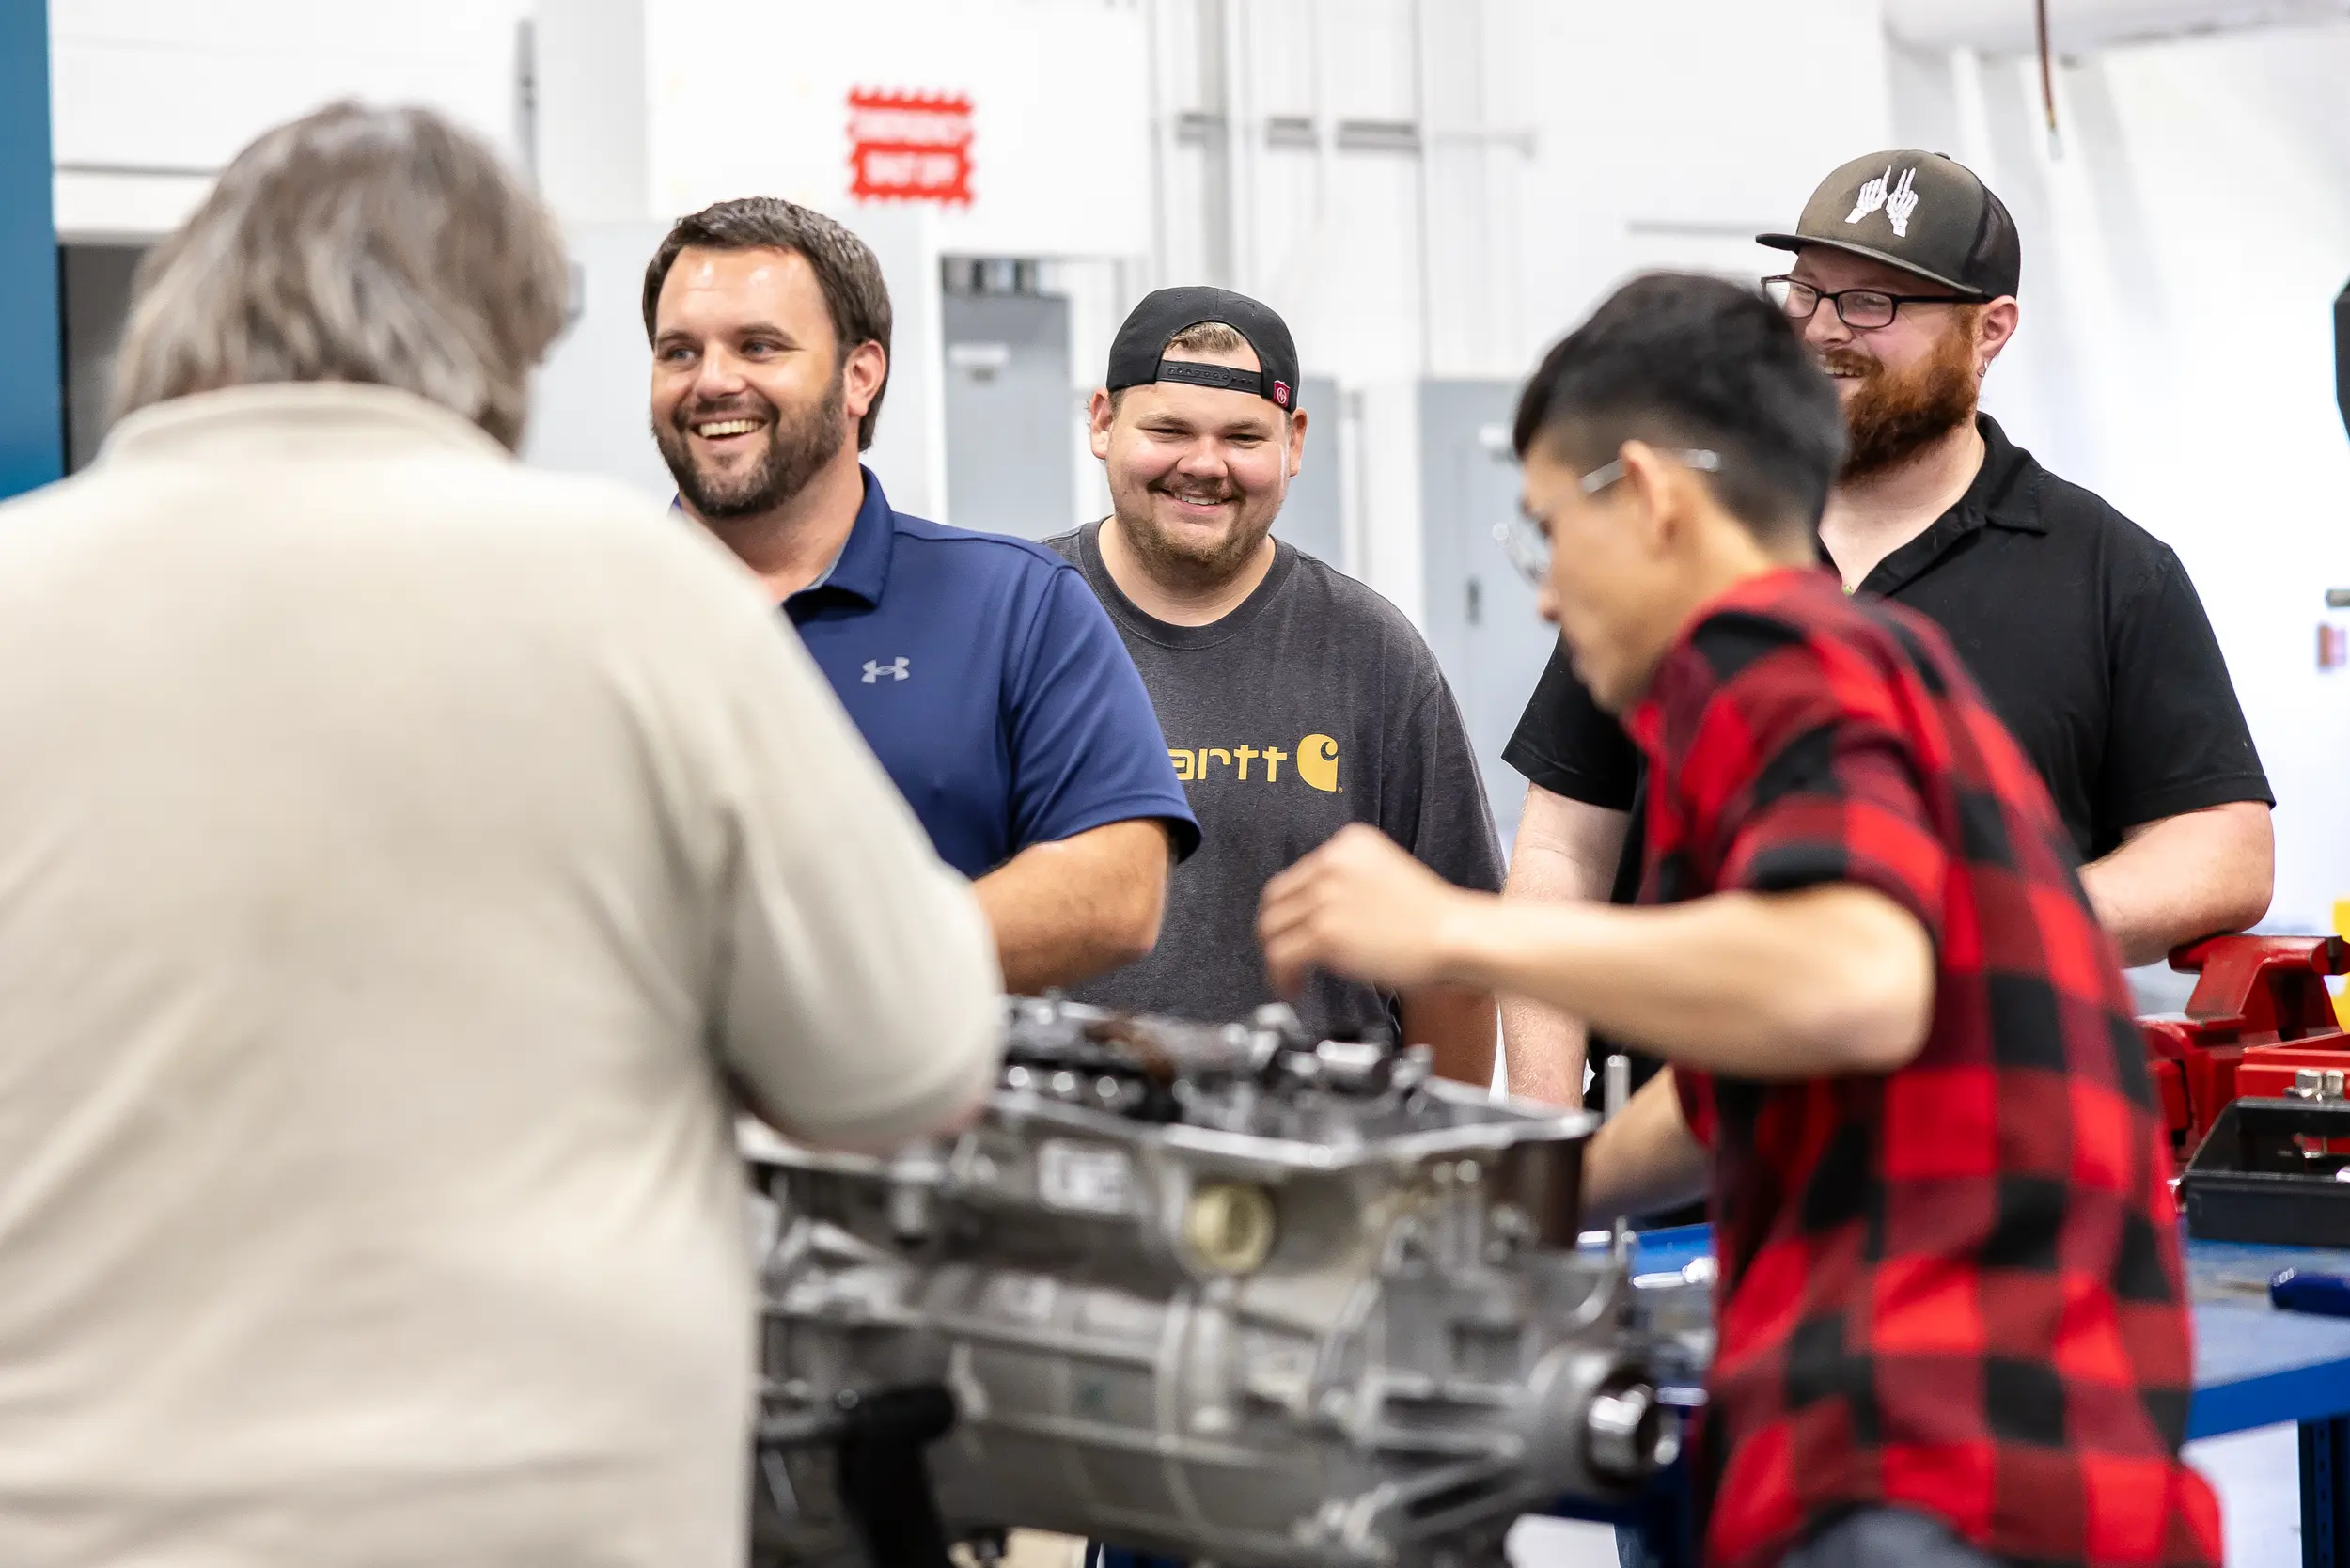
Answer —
(1952, 1318)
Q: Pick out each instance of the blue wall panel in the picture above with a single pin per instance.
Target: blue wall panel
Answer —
(32, 429)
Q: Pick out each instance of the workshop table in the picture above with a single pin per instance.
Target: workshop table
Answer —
(2254, 1367)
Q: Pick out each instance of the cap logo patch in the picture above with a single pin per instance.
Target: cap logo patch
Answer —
(1281, 392)
(1897, 202)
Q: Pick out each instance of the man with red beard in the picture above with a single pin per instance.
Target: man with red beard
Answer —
(979, 668)
(1295, 701)
(2082, 629)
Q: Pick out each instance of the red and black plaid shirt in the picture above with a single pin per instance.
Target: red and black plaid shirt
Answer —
(1956, 1287)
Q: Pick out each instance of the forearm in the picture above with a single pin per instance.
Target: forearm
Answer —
(1544, 1050)
(1065, 912)
(1543, 1047)
(958, 1112)
(1566, 852)
(1829, 980)
(1643, 1160)
(1459, 1024)
(2185, 877)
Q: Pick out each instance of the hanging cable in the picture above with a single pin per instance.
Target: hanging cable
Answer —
(2047, 79)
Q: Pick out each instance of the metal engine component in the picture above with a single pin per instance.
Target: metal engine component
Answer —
(1219, 1293)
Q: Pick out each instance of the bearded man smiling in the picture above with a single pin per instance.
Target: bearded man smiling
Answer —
(979, 668)
(2082, 629)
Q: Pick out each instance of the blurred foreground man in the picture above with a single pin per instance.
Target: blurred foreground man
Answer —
(980, 669)
(1296, 700)
(1951, 1314)
(403, 852)
(2081, 627)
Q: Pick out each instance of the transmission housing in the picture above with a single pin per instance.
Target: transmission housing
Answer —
(1222, 1292)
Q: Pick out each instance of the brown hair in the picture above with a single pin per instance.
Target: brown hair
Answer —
(354, 244)
(855, 297)
(1200, 337)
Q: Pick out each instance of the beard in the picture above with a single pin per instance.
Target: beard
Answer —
(1180, 561)
(796, 448)
(1893, 415)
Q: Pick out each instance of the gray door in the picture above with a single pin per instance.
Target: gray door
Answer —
(1481, 620)
(1312, 518)
(94, 288)
(1011, 415)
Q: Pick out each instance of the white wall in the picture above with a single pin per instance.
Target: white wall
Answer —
(646, 112)
(1672, 134)
(2176, 355)
(592, 109)
(588, 401)
(1561, 148)
(149, 98)
(1060, 150)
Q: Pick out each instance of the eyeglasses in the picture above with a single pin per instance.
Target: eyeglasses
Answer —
(1529, 547)
(1864, 310)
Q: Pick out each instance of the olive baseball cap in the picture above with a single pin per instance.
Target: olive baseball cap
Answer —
(1917, 210)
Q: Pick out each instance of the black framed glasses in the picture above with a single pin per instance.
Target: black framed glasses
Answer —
(1864, 310)
(1529, 547)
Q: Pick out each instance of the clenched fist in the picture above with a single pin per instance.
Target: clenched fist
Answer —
(1358, 906)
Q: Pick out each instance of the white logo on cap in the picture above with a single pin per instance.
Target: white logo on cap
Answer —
(1898, 201)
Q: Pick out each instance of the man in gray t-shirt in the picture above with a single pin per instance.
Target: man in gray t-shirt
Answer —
(1295, 699)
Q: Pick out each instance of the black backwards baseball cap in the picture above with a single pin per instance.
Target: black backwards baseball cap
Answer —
(1135, 352)
(1917, 210)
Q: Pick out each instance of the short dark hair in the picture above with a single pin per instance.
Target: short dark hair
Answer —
(1198, 337)
(1679, 360)
(854, 295)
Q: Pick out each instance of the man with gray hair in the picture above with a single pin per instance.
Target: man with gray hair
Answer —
(400, 852)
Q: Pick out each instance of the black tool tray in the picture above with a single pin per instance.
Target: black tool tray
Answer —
(2275, 1172)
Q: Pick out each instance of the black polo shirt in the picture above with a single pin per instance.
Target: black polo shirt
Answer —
(2081, 627)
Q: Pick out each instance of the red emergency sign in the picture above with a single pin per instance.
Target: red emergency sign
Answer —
(909, 147)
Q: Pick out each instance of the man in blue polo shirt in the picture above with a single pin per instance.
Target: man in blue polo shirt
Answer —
(980, 669)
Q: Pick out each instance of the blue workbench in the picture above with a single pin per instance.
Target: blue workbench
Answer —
(2254, 1367)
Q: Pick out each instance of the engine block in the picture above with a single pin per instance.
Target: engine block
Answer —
(1220, 1292)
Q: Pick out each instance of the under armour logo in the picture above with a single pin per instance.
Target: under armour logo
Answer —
(875, 670)
(1898, 201)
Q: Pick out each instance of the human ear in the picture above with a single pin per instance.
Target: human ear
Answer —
(1099, 413)
(862, 378)
(1650, 498)
(1994, 328)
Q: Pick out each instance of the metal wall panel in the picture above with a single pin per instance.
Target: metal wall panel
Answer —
(95, 295)
(1480, 616)
(1013, 414)
(1313, 517)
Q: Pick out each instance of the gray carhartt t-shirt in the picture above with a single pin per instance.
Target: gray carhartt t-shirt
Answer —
(1312, 705)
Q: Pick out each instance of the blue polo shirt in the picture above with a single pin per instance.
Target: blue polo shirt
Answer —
(990, 683)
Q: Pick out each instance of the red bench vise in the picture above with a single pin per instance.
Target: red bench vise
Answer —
(2260, 1014)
